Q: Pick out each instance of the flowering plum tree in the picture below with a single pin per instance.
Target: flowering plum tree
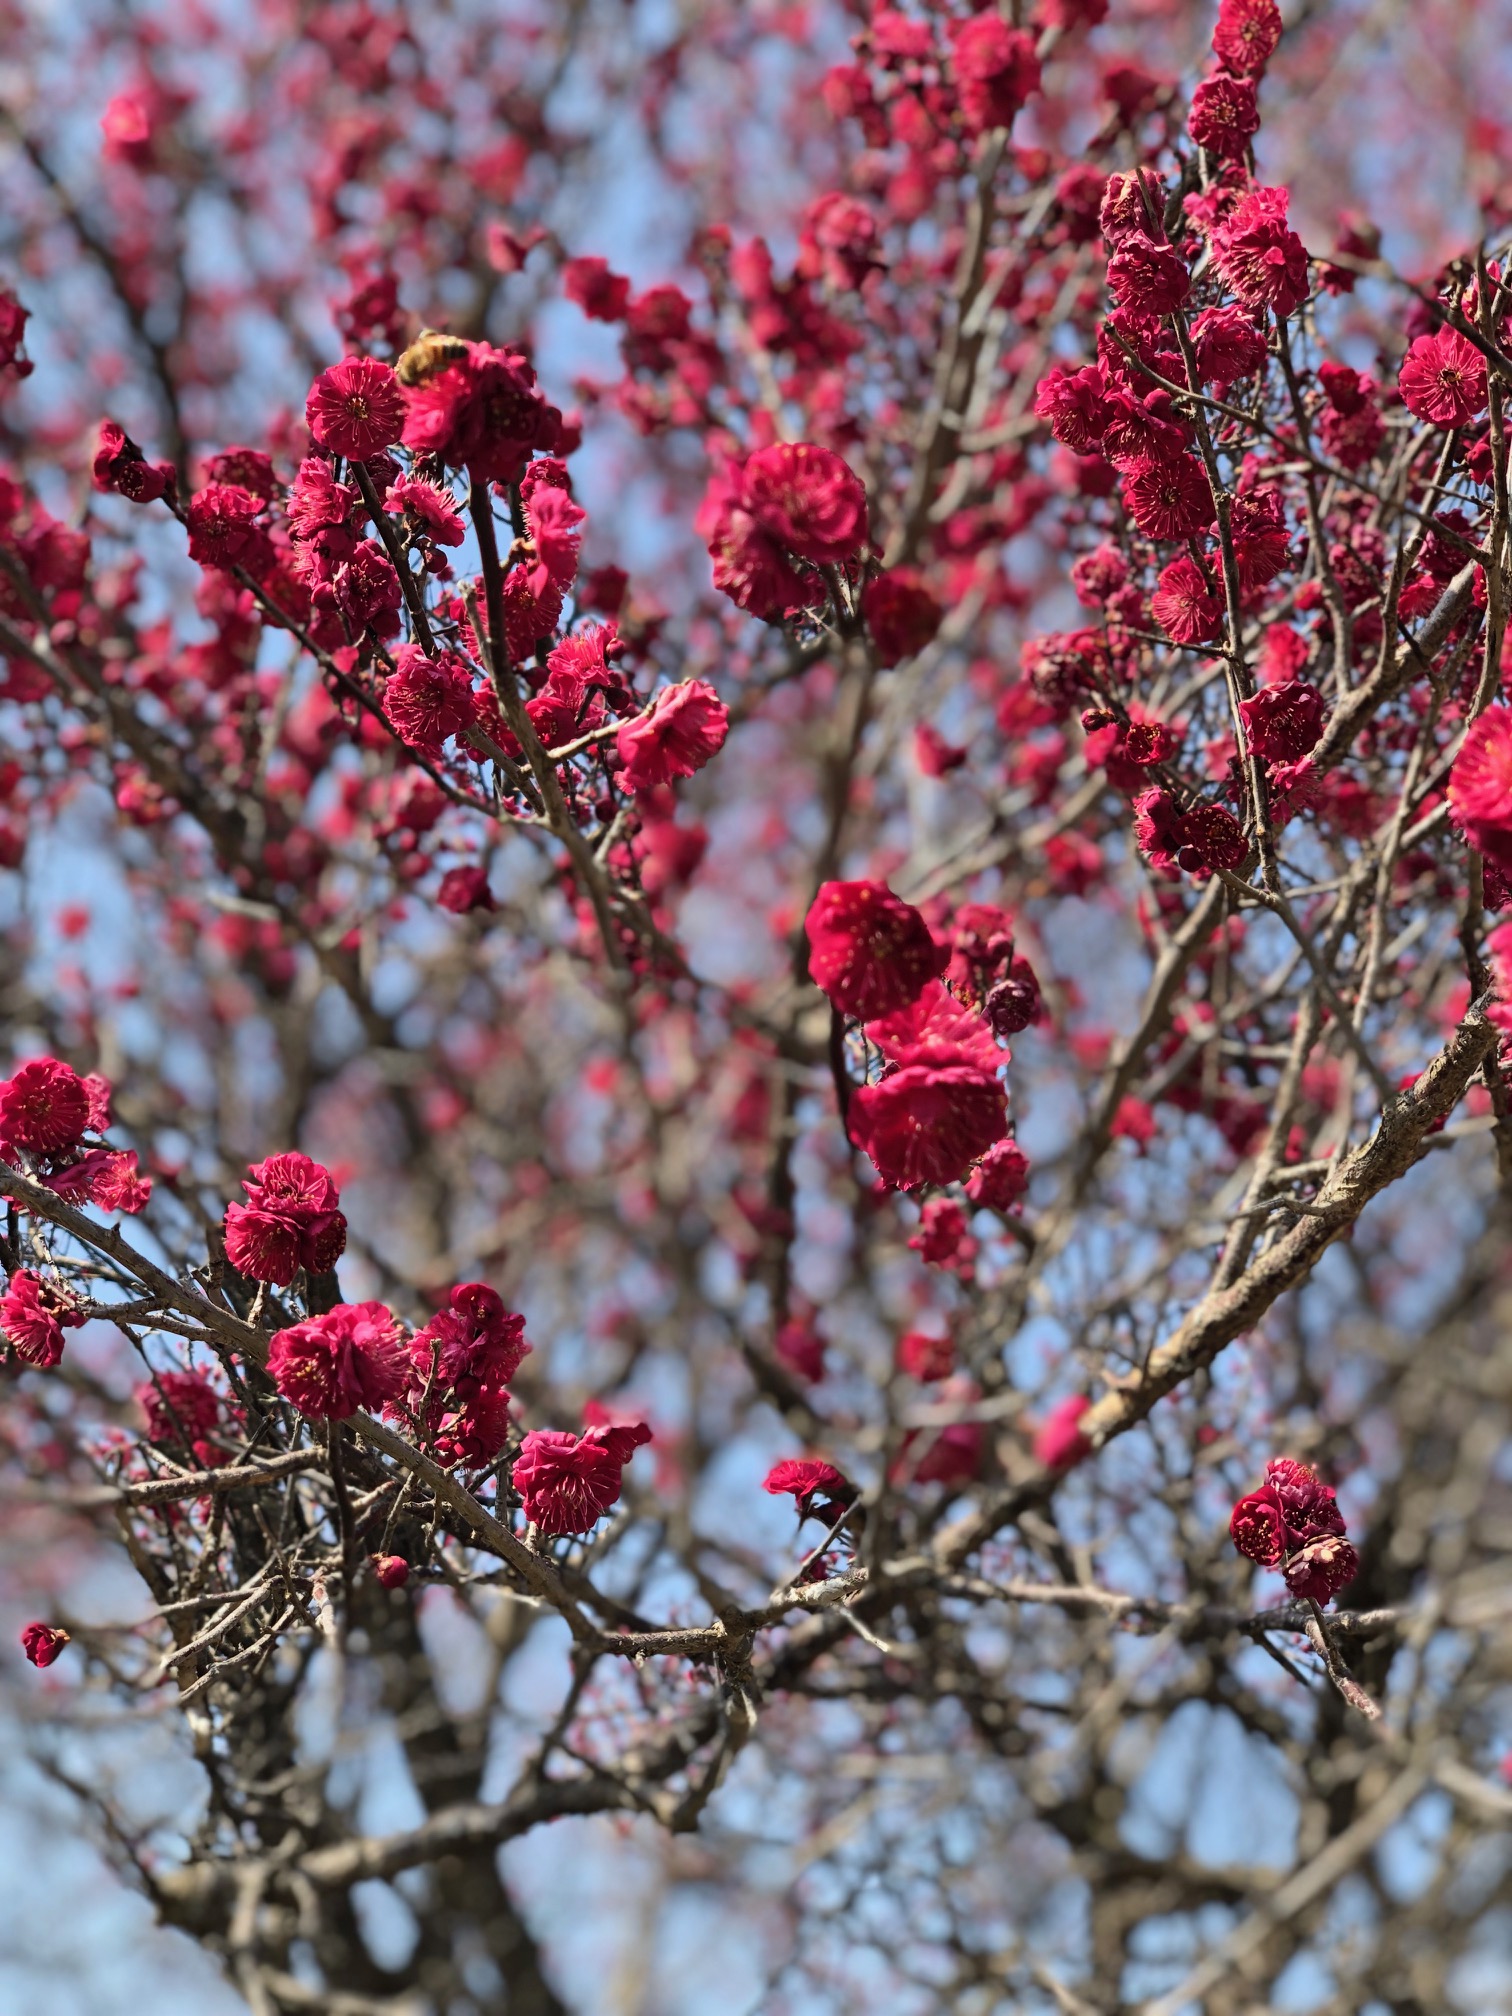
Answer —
(537, 799)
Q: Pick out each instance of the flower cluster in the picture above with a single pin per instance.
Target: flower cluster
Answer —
(47, 1113)
(1293, 1523)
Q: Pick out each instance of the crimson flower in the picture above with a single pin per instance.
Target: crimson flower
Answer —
(555, 522)
(474, 1341)
(799, 1346)
(685, 727)
(869, 951)
(33, 1317)
(900, 613)
(926, 1123)
(44, 1107)
(568, 1482)
(808, 500)
(1170, 500)
(120, 466)
(1224, 117)
(603, 296)
(291, 1220)
(483, 414)
(464, 889)
(428, 700)
(1260, 257)
(222, 525)
(1257, 1527)
(429, 508)
(1293, 1523)
(1246, 35)
(1283, 722)
(1058, 1441)
(1228, 345)
(42, 1643)
(355, 409)
(817, 1488)
(1125, 208)
(996, 70)
(107, 1177)
(936, 1028)
(1146, 278)
(1075, 404)
(921, 1355)
(390, 1571)
(1000, 1178)
(1480, 790)
(1186, 605)
(330, 1365)
(181, 1407)
(1443, 379)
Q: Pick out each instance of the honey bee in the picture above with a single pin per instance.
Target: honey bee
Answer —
(430, 353)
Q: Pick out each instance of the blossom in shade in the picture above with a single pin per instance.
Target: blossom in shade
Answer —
(923, 1356)
(817, 1488)
(464, 889)
(328, 1366)
(1125, 209)
(1058, 1440)
(1283, 722)
(356, 408)
(1443, 379)
(1225, 116)
(1170, 500)
(927, 1123)
(1013, 1003)
(869, 951)
(568, 1482)
(44, 1107)
(1480, 790)
(390, 1571)
(808, 500)
(33, 1317)
(685, 726)
(603, 296)
(799, 1346)
(949, 1455)
(428, 700)
(1246, 35)
(474, 1341)
(181, 1407)
(944, 1238)
(291, 1220)
(1262, 543)
(1259, 255)
(1186, 604)
(1292, 1522)
(120, 466)
(996, 71)
(900, 613)
(42, 1643)
(1146, 278)
(1001, 1178)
